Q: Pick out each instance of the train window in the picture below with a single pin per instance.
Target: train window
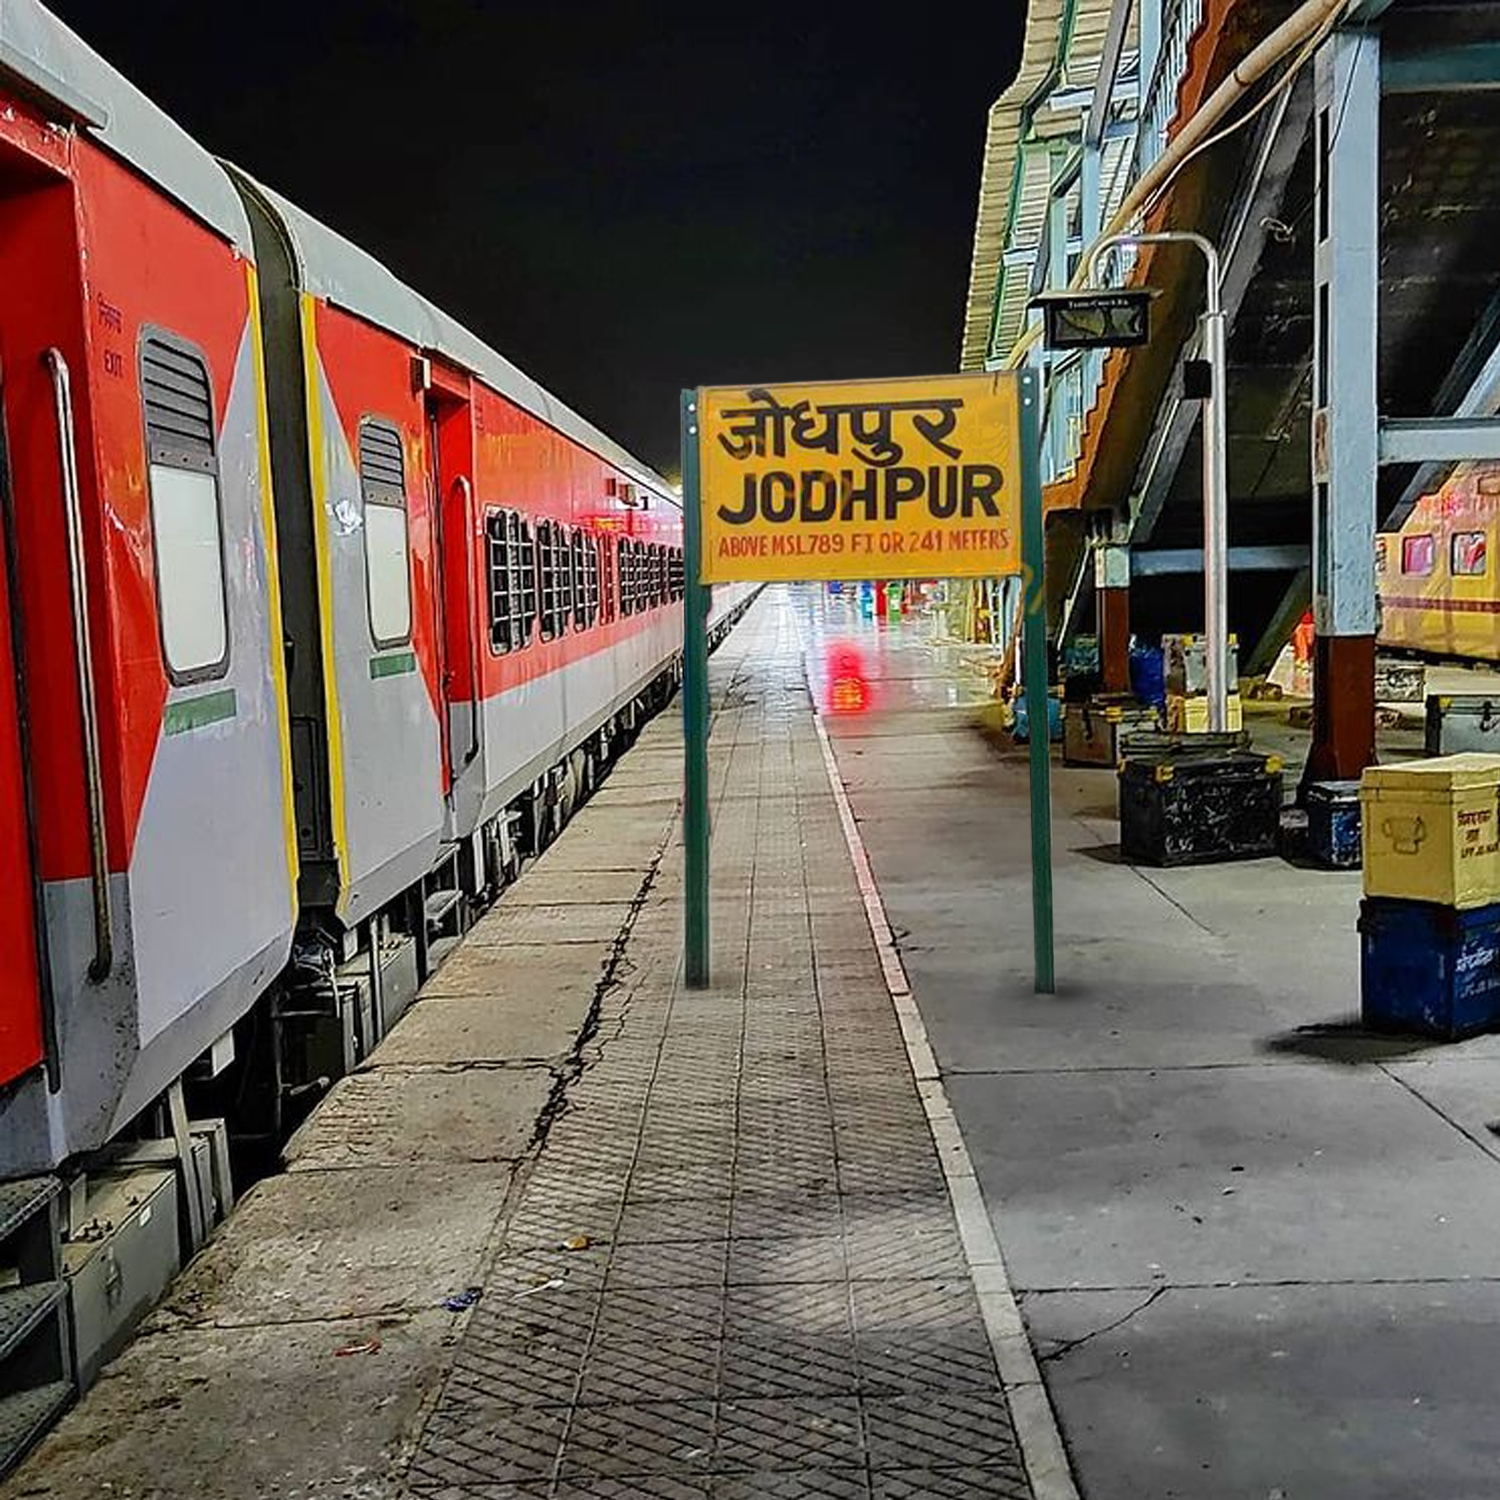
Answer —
(1419, 554)
(546, 568)
(577, 568)
(565, 590)
(186, 524)
(382, 482)
(511, 555)
(658, 574)
(606, 551)
(678, 576)
(1468, 556)
(555, 565)
(585, 579)
(627, 578)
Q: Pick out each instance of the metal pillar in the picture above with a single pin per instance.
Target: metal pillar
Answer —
(1112, 605)
(1215, 461)
(1150, 42)
(1346, 429)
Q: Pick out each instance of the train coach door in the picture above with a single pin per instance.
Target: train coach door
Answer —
(451, 461)
(22, 938)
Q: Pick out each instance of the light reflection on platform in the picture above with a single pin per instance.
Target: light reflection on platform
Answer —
(859, 663)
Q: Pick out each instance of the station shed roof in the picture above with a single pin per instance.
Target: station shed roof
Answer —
(1045, 105)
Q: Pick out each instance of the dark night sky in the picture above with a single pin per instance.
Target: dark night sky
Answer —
(620, 202)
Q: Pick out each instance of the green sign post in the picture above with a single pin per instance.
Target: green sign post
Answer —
(1038, 708)
(935, 478)
(695, 708)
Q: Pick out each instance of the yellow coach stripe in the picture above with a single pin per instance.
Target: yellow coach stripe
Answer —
(273, 587)
(318, 465)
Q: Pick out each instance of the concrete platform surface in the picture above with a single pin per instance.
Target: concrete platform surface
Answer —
(1256, 1247)
(704, 1244)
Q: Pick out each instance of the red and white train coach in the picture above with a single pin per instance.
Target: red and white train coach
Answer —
(318, 615)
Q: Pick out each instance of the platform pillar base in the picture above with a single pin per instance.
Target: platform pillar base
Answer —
(1114, 639)
(1343, 708)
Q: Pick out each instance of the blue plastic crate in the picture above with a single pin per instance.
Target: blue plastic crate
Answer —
(1148, 675)
(1429, 969)
(1021, 726)
(1333, 836)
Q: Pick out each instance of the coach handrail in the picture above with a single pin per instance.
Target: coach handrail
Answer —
(471, 601)
(62, 395)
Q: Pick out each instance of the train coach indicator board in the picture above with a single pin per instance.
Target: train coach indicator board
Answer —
(912, 478)
(867, 479)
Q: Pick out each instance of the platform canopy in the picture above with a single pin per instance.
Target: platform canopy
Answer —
(1043, 124)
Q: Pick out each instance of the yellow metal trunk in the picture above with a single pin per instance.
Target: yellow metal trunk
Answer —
(1432, 830)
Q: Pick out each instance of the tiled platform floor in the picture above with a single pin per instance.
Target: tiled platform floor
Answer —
(768, 1297)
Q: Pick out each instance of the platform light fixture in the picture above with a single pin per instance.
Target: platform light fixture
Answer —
(1104, 318)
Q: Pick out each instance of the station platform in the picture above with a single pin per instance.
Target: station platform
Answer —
(867, 1217)
(578, 1232)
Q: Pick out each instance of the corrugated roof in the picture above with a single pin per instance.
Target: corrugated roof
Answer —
(1062, 49)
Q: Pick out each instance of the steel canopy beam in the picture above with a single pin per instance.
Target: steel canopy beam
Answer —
(1109, 67)
(1418, 440)
(1467, 69)
(1470, 389)
(1170, 560)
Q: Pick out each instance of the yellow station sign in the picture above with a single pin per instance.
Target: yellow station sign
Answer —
(915, 478)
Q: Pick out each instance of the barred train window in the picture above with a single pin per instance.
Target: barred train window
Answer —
(1469, 554)
(607, 587)
(554, 563)
(627, 577)
(186, 527)
(510, 548)
(585, 579)
(382, 482)
(577, 566)
(678, 578)
(564, 541)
